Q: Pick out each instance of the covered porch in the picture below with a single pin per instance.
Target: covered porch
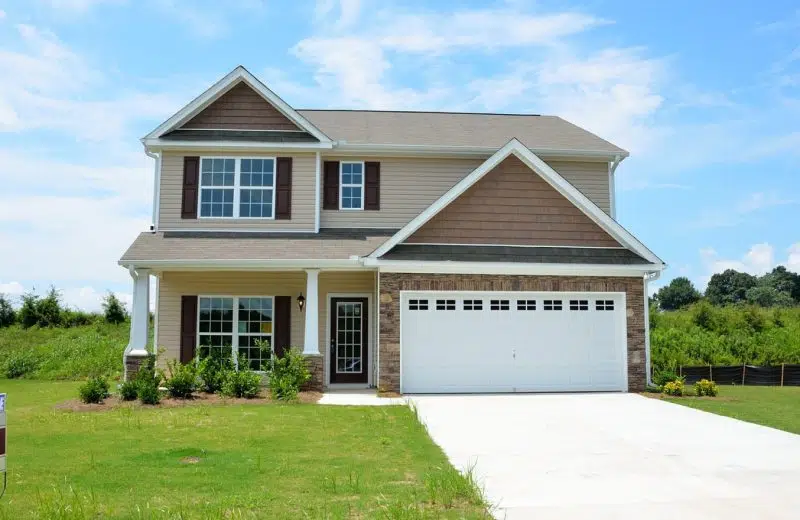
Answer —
(329, 314)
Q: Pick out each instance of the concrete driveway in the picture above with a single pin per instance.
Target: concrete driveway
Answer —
(615, 456)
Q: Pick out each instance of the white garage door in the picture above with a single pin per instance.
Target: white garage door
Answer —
(512, 342)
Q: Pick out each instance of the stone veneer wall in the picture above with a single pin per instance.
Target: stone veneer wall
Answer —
(392, 283)
(317, 369)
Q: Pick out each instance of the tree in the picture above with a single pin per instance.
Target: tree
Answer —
(729, 286)
(113, 309)
(677, 294)
(7, 315)
(783, 280)
(42, 311)
(765, 296)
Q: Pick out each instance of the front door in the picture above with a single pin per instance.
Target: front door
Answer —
(348, 342)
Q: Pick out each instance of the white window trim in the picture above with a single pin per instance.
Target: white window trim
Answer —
(237, 187)
(343, 185)
(235, 331)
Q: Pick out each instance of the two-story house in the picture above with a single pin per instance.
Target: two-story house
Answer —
(409, 251)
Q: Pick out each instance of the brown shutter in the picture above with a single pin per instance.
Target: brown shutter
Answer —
(331, 183)
(372, 186)
(282, 325)
(188, 327)
(191, 178)
(283, 186)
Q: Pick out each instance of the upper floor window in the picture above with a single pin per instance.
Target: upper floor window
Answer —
(352, 185)
(237, 187)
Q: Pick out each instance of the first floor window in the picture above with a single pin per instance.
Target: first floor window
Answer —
(236, 326)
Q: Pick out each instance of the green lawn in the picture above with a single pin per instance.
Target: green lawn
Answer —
(778, 407)
(224, 461)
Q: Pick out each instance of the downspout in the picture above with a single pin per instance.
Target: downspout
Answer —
(649, 277)
(156, 186)
(612, 188)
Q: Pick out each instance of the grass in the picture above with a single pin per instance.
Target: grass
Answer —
(235, 461)
(66, 353)
(778, 407)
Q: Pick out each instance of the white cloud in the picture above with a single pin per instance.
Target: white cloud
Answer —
(11, 288)
(2, 14)
(76, 6)
(793, 262)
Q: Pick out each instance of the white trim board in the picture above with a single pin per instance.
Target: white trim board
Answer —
(218, 89)
(589, 208)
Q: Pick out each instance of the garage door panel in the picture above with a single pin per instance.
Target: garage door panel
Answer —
(504, 347)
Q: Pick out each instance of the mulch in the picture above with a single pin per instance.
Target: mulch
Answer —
(199, 399)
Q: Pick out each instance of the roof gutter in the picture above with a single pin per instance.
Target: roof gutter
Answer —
(244, 264)
(157, 144)
(509, 268)
(376, 148)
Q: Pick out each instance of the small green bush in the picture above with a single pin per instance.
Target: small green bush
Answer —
(212, 371)
(94, 390)
(147, 381)
(113, 309)
(241, 383)
(149, 394)
(182, 380)
(663, 377)
(75, 318)
(674, 388)
(704, 387)
(288, 374)
(653, 389)
(20, 364)
(128, 391)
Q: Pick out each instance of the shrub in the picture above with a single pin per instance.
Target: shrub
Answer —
(663, 377)
(75, 318)
(113, 309)
(182, 380)
(94, 390)
(212, 371)
(42, 311)
(8, 316)
(673, 388)
(128, 391)
(704, 387)
(149, 394)
(288, 374)
(147, 380)
(20, 363)
(241, 383)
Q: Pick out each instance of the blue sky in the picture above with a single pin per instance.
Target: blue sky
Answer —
(705, 95)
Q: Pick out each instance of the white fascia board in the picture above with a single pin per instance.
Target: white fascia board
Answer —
(549, 175)
(509, 268)
(469, 151)
(157, 145)
(233, 78)
(245, 264)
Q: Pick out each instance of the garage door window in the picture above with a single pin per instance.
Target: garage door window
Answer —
(552, 305)
(579, 305)
(604, 305)
(418, 305)
(499, 305)
(445, 305)
(473, 305)
(526, 305)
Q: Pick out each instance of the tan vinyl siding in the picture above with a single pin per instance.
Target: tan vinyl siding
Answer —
(241, 108)
(173, 285)
(411, 184)
(303, 202)
(511, 205)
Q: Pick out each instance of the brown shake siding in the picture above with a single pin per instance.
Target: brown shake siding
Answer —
(512, 205)
(303, 202)
(392, 283)
(241, 108)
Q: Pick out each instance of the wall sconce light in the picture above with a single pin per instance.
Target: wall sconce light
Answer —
(301, 302)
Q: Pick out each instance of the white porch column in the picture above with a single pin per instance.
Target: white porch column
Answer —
(140, 315)
(311, 343)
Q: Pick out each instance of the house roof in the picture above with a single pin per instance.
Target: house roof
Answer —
(534, 254)
(469, 130)
(191, 247)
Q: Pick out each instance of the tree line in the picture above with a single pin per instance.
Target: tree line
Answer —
(49, 311)
(778, 288)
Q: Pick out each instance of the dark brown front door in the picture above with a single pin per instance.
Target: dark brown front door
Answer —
(349, 346)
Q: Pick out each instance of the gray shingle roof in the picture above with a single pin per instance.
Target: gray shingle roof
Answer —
(536, 255)
(455, 129)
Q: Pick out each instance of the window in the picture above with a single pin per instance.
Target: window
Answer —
(526, 305)
(237, 188)
(473, 305)
(418, 305)
(352, 185)
(604, 305)
(445, 305)
(499, 305)
(224, 332)
(579, 305)
(552, 305)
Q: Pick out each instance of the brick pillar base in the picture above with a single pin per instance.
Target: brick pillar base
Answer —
(315, 366)
(132, 365)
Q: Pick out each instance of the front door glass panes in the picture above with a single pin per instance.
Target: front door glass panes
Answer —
(349, 341)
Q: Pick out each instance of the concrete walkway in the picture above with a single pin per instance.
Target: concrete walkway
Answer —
(358, 398)
(616, 456)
